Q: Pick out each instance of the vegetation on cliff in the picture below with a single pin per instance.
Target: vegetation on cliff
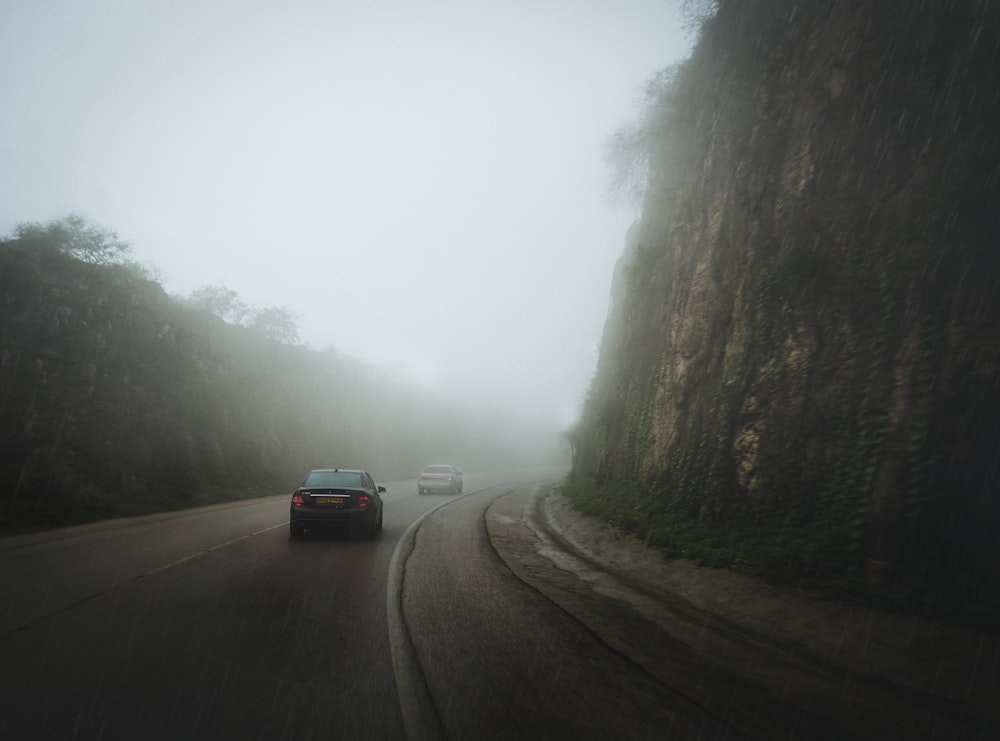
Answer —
(800, 374)
(118, 399)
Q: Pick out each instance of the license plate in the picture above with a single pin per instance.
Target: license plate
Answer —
(329, 500)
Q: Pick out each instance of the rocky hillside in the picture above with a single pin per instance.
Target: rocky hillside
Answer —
(116, 398)
(800, 376)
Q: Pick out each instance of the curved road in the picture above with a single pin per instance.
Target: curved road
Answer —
(501, 661)
(213, 624)
(210, 623)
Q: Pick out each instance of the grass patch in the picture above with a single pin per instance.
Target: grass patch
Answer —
(819, 558)
(91, 505)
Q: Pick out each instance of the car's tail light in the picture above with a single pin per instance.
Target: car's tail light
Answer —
(363, 501)
(297, 500)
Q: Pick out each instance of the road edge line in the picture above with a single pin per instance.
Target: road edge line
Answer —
(421, 719)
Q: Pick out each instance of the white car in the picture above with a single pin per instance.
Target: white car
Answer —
(439, 477)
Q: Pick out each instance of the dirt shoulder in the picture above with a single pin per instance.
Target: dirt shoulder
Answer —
(825, 665)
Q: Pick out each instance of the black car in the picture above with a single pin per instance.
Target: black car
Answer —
(337, 497)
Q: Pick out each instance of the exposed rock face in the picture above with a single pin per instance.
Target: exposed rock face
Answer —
(805, 357)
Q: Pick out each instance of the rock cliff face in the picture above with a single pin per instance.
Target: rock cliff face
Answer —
(801, 371)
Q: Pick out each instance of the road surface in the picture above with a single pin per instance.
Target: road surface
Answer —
(213, 624)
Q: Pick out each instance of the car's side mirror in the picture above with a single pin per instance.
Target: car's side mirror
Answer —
(381, 490)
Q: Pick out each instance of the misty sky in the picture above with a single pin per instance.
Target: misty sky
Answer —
(422, 183)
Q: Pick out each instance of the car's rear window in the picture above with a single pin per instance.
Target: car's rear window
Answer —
(437, 469)
(333, 478)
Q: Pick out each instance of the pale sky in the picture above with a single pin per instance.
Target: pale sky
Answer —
(421, 183)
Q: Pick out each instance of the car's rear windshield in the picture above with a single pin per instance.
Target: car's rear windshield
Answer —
(437, 469)
(333, 478)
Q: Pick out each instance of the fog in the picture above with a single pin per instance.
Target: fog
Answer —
(422, 184)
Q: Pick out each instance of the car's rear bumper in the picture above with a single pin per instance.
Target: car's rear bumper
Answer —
(311, 517)
(436, 484)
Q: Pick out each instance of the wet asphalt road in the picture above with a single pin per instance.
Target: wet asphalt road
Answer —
(263, 638)
(501, 661)
(207, 624)
(213, 624)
